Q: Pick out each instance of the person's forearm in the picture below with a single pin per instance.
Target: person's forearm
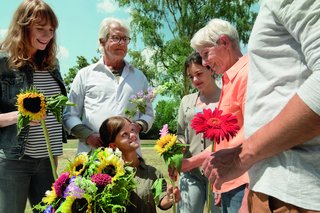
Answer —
(7, 119)
(195, 161)
(294, 125)
(81, 131)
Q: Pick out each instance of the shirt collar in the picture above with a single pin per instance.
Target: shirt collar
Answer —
(232, 72)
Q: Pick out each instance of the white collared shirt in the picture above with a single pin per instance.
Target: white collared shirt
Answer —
(99, 95)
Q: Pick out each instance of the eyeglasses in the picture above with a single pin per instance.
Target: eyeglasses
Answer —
(118, 39)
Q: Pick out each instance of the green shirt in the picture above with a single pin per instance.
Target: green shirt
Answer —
(142, 198)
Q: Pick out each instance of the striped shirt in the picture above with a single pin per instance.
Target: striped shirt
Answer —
(36, 145)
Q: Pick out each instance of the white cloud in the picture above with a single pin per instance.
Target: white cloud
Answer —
(63, 53)
(107, 6)
(3, 32)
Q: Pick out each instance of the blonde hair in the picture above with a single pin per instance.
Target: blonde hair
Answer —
(209, 35)
(17, 42)
(105, 29)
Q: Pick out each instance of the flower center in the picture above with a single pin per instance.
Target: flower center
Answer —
(214, 123)
(80, 205)
(32, 104)
(110, 170)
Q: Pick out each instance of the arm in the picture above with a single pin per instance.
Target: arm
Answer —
(146, 120)
(294, 125)
(72, 114)
(7, 119)
(167, 201)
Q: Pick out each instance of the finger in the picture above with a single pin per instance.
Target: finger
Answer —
(217, 184)
(205, 163)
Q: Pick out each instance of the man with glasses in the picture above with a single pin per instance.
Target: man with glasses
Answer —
(103, 89)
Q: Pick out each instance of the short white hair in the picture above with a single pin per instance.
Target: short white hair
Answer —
(209, 34)
(105, 28)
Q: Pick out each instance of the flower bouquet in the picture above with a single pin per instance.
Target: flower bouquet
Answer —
(216, 127)
(101, 182)
(142, 99)
(171, 150)
(33, 105)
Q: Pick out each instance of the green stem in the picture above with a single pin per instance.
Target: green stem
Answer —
(173, 187)
(209, 186)
(46, 135)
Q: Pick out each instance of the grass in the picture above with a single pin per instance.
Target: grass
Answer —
(150, 156)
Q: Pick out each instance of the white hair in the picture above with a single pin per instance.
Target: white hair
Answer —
(209, 34)
(105, 28)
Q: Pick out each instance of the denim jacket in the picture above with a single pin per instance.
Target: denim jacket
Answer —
(11, 82)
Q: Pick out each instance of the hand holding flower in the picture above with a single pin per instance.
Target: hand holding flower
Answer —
(223, 166)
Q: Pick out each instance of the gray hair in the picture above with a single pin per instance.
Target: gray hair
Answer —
(105, 28)
(209, 34)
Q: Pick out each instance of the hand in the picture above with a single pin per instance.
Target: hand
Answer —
(217, 199)
(175, 193)
(94, 140)
(173, 174)
(224, 165)
(138, 127)
(34, 123)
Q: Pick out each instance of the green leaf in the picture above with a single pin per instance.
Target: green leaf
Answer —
(55, 104)
(22, 122)
(157, 189)
(177, 161)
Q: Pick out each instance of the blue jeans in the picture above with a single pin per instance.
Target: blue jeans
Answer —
(21, 179)
(231, 201)
(194, 194)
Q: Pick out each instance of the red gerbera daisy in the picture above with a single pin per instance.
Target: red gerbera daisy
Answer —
(214, 125)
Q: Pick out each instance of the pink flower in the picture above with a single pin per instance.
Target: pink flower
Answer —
(61, 183)
(164, 131)
(101, 179)
(214, 125)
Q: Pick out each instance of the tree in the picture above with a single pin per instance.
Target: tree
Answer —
(81, 63)
(166, 27)
(166, 112)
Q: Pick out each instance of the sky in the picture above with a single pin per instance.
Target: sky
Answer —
(79, 22)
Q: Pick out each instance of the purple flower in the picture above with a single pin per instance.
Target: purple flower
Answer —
(101, 180)
(73, 190)
(49, 209)
(61, 183)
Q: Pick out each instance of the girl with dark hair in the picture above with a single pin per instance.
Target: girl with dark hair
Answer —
(119, 132)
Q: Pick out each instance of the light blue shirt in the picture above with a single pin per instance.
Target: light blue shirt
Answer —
(284, 50)
(99, 95)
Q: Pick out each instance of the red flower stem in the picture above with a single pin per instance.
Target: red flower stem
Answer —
(46, 135)
(210, 185)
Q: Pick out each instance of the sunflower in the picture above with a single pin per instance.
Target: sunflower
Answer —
(73, 204)
(214, 125)
(50, 196)
(78, 166)
(165, 143)
(32, 104)
(112, 166)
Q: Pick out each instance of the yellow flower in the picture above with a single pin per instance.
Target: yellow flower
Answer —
(50, 196)
(111, 165)
(165, 143)
(78, 165)
(32, 104)
(73, 204)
